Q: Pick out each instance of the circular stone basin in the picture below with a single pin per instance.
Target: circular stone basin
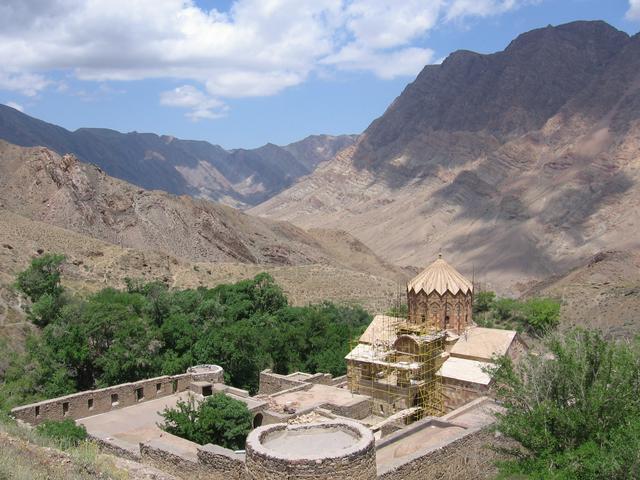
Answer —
(309, 441)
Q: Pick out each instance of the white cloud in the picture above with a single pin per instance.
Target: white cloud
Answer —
(257, 48)
(200, 105)
(634, 10)
(28, 84)
(15, 105)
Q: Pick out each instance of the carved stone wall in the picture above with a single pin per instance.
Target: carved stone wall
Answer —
(447, 311)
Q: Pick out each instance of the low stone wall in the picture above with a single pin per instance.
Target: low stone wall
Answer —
(472, 456)
(177, 464)
(222, 463)
(94, 402)
(271, 383)
(358, 409)
(353, 463)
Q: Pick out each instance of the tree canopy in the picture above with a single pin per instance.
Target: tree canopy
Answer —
(116, 336)
(536, 316)
(575, 410)
(218, 419)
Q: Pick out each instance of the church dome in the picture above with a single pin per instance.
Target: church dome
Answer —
(440, 277)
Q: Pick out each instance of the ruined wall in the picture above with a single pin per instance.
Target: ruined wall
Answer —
(448, 311)
(457, 393)
(94, 402)
(472, 456)
(271, 383)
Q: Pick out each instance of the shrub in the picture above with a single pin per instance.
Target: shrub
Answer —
(219, 419)
(40, 282)
(576, 412)
(66, 432)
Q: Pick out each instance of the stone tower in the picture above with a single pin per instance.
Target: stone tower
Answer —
(440, 297)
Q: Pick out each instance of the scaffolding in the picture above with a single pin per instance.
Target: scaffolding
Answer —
(396, 363)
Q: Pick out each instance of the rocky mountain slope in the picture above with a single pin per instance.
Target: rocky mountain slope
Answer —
(235, 177)
(41, 185)
(516, 165)
(603, 293)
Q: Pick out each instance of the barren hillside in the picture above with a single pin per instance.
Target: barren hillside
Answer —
(43, 186)
(93, 264)
(239, 178)
(603, 293)
(518, 165)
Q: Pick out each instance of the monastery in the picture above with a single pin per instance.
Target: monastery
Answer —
(415, 401)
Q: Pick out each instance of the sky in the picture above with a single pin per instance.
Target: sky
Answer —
(241, 73)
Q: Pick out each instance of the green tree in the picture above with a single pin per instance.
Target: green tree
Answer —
(541, 314)
(576, 411)
(40, 282)
(484, 302)
(218, 419)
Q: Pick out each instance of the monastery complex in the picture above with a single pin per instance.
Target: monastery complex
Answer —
(415, 403)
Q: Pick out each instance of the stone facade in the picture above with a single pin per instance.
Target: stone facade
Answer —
(354, 463)
(457, 393)
(447, 311)
(94, 402)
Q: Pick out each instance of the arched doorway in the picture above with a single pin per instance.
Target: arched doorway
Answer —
(257, 420)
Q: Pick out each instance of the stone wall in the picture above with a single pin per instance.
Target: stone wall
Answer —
(211, 462)
(457, 393)
(448, 311)
(271, 383)
(94, 402)
(472, 456)
(222, 463)
(356, 463)
(358, 409)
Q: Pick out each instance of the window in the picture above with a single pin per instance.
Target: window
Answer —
(65, 409)
(158, 388)
(114, 400)
(174, 386)
(381, 409)
(139, 394)
(446, 321)
(90, 404)
(207, 390)
(37, 412)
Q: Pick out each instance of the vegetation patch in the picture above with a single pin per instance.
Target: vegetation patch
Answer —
(535, 316)
(66, 432)
(575, 410)
(146, 330)
(218, 419)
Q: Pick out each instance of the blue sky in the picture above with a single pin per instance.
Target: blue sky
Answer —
(241, 73)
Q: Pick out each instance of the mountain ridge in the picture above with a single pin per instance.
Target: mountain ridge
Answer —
(518, 164)
(237, 177)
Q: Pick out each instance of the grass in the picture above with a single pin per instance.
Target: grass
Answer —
(26, 454)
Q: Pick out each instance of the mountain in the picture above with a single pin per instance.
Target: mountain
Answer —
(516, 165)
(602, 293)
(40, 185)
(235, 177)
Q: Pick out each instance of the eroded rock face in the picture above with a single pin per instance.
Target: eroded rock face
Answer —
(521, 164)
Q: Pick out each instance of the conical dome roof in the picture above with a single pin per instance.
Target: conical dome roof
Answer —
(440, 277)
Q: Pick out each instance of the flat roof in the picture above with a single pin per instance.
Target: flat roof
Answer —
(129, 426)
(466, 370)
(483, 343)
(432, 433)
(315, 396)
